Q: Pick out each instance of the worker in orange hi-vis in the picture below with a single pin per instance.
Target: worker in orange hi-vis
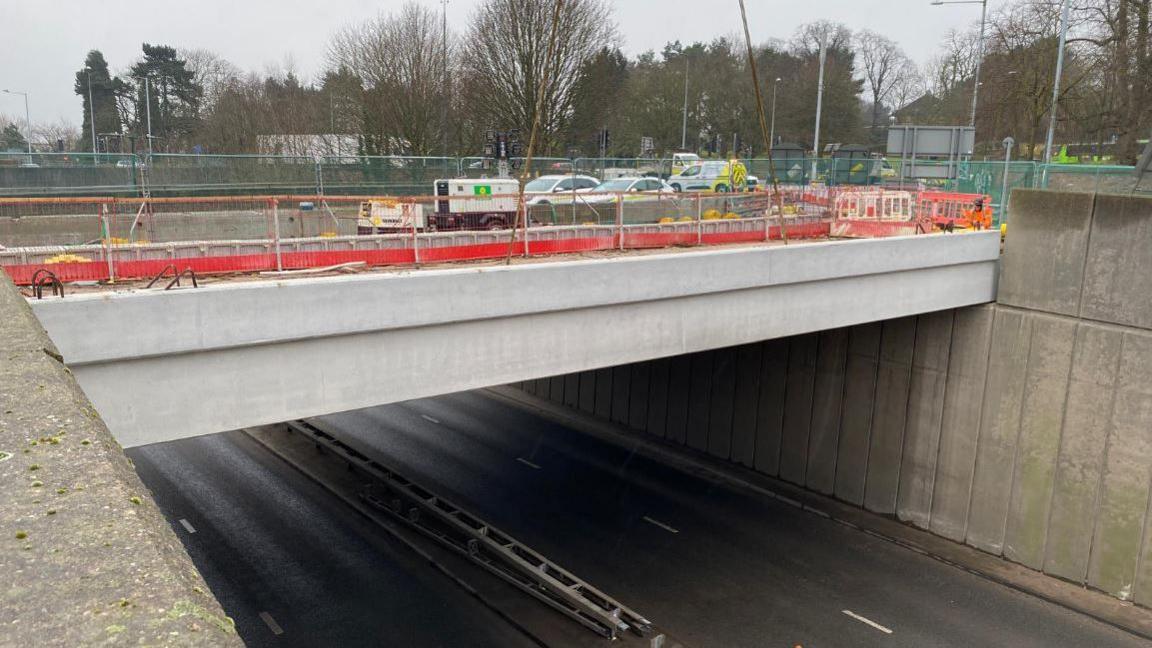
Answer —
(979, 217)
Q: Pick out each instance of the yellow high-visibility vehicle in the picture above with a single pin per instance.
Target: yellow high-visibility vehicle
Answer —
(718, 176)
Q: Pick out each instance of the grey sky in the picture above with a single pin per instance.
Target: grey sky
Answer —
(45, 41)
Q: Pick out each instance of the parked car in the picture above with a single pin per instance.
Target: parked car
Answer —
(632, 188)
(550, 189)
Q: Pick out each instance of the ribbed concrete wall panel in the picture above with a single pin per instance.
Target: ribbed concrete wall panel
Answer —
(802, 353)
(638, 396)
(860, 371)
(723, 395)
(556, 392)
(827, 402)
(679, 375)
(999, 430)
(572, 390)
(1116, 276)
(621, 392)
(1043, 263)
(603, 392)
(658, 397)
(960, 425)
(745, 402)
(587, 396)
(1087, 422)
(925, 411)
(889, 415)
(1041, 421)
(1123, 505)
(699, 399)
(770, 408)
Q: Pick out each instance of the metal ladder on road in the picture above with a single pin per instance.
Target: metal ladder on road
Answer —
(485, 545)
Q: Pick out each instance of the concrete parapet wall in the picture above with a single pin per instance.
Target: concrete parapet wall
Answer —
(1022, 428)
(87, 559)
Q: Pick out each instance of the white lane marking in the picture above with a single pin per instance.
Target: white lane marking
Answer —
(660, 524)
(527, 463)
(429, 418)
(271, 623)
(187, 525)
(867, 621)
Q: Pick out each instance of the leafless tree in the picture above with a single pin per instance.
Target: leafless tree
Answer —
(211, 72)
(504, 60)
(888, 72)
(401, 59)
(47, 135)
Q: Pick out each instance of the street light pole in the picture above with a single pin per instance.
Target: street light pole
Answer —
(148, 112)
(1056, 83)
(684, 128)
(772, 129)
(27, 122)
(979, 50)
(819, 108)
(92, 120)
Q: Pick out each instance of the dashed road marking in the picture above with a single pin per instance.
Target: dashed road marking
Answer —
(867, 621)
(271, 623)
(187, 526)
(527, 463)
(660, 524)
(429, 419)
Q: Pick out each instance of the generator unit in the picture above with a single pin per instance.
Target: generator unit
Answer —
(390, 216)
(467, 203)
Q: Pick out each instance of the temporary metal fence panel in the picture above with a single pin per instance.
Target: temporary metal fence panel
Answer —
(67, 174)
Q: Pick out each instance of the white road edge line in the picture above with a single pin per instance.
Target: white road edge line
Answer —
(271, 623)
(527, 463)
(187, 525)
(429, 418)
(660, 524)
(867, 621)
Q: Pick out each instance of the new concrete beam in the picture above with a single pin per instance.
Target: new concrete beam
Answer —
(261, 352)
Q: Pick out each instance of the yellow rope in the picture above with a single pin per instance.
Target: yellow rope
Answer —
(763, 125)
(544, 80)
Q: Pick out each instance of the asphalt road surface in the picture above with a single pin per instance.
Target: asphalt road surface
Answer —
(711, 565)
(294, 565)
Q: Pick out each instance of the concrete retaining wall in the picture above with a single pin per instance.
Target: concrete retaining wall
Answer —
(1022, 428)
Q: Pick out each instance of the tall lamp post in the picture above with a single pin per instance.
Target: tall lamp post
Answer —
(979, 48)
(684, 127)
(772, 130)
(1056, 83)
(27, 121)
(819, 107)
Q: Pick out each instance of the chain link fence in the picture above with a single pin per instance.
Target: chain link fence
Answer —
(86, 174)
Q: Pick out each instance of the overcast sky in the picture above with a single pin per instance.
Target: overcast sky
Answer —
(45, 41)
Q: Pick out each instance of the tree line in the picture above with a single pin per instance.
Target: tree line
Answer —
(401, 83)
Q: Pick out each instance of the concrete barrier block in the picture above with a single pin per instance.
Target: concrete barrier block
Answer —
(1119, 262)
(723, 395)
(744, 402)
(999, 429)
(679, 377)
(556, 392)
(856, 418)
(770, 405)
(1043, 263)
(1041, 420)
(658, 397)
(827, 401)
(1123, 504)
(638, 396)
(572, 390)
(960, 425)
(621, 393)
(889, 415)
(1087, 421)
(925, 411)
(587, 396)
(699, 399)
(802, 353)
